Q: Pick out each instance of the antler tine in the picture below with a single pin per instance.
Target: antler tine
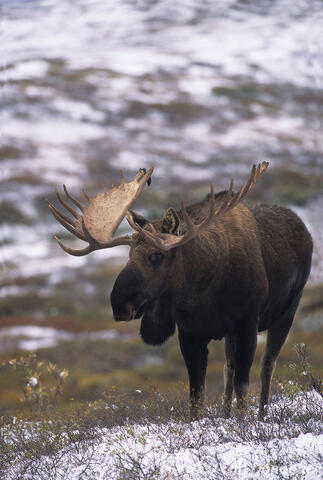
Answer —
(60, 214)
(86, 195)
(67, 206)
(134, 225)
(260, 170)
(74, 200)
(251, 181)
(244, 189)
(123, 179)
(66, 222)
(211, 213)
(230, 203)
(226, 200)
(194, 229)
(262, 167)
(187, 218)
(150, 236)
(72, 251)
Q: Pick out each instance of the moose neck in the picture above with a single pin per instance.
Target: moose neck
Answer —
(211, 260)
(193, 262)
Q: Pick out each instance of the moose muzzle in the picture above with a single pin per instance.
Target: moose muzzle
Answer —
(127, 298)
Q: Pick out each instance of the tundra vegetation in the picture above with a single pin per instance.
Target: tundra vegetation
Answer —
(148, 437)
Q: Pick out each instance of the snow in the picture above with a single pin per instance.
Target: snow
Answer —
(117, 38)
(212, 448)
(152, 447)
(32, 337)
(27, 70)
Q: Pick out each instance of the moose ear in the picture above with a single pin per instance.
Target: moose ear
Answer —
(139, 219)
(170, 222)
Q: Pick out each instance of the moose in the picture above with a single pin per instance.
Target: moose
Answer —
(216, 269)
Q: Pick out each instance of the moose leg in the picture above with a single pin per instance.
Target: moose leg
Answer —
(195, 355)
(246, 343)
(229, 367)
(275, 339)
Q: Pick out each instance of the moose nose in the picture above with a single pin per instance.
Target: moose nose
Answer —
(126, 294)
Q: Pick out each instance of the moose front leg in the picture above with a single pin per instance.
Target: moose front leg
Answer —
(195, 354)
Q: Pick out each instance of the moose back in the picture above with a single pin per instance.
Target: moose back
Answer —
(216, 269)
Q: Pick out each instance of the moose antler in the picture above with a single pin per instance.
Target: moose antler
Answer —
(102, 216)
(167, 241)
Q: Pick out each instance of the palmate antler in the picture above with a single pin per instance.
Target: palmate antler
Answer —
(167, 241)
(102, 216)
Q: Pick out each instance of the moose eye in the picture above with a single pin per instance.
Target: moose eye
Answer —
(156, 258)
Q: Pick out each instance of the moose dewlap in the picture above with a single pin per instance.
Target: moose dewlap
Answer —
(216, 269)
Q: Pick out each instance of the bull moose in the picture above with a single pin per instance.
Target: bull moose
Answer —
(218, 268)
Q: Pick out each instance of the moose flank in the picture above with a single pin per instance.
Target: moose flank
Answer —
(216, 269)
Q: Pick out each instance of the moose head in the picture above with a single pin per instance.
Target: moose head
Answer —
(153, 268)
(152, 247)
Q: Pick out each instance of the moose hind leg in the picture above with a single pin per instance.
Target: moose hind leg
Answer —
(276, 337)
(229, 367)
(275, 340)
(246, 344)
(195, 355)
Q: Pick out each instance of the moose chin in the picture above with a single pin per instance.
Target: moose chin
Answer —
(216, 269)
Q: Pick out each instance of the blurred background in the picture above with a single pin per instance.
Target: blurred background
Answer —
(199, 89)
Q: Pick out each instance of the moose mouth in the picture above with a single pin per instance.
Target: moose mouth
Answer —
(138, 312)
(131, 312)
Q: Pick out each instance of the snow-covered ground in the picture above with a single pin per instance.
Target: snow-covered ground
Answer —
(288, 445)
